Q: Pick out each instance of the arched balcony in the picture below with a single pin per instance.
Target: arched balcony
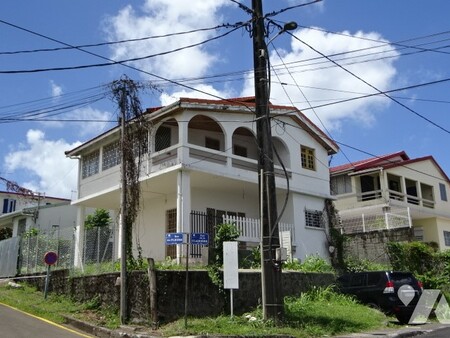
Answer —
(206, 140)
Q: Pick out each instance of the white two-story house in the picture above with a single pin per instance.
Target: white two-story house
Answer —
(394, 191)
(201, 170)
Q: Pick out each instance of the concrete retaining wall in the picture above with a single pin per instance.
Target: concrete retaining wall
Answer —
(372, 245)
(204, 298)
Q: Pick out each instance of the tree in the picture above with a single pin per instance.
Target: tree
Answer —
(5, 233)
(100, 218)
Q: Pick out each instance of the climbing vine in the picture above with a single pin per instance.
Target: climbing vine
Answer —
(335, 238)
(133, 147)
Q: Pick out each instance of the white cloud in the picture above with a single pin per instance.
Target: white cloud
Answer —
(89, 114)
(322, 82)
(158, 17)
(201, 93)
(48, 169)
(84, 129)
(55, 89)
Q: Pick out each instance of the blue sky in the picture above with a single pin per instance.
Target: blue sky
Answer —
(353, 33)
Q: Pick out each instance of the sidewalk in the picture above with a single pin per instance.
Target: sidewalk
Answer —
(406, 331)
(143, 332)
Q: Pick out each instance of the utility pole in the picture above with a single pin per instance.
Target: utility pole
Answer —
(123, 196)
(270, 243)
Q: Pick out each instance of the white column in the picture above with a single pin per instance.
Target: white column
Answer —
(183, 206)
(79, 237)
(183, 150)
(384, 186)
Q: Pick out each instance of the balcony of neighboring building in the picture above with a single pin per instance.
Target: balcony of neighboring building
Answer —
(379, 187)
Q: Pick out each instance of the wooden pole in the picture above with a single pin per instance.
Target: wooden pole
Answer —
(153, 293)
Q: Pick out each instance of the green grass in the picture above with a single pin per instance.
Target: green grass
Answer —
(320, 312)
(31, 301)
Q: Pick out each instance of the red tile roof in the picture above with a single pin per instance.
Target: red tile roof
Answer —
(369, 162)
(386, 162)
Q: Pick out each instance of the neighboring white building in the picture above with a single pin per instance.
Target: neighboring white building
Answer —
(202, 165)
(393, 191)
(23, 212)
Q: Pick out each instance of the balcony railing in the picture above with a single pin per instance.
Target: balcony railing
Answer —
(369, 195)
(375, 221)
(250, 228)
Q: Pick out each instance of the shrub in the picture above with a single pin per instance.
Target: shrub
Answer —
(428, 265)
(356, 265)
(312, 263)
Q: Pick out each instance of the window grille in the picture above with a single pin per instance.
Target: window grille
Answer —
(162, 138)
(314, 219)
(111, 155)
(171, 226)
(90, 164)
(447, 238)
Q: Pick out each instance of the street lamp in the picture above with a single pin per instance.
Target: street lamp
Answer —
(289, 26)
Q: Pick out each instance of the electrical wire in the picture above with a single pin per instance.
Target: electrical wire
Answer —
(384, 42)
(274, 13)
(108, 43)
(123, 62)
(112, 62)
(370, 154)
(370, 85)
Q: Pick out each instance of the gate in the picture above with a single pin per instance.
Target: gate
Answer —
(9, 253)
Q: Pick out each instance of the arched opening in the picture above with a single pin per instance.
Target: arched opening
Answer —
(205, 132)
(282, 152)
(244, 143)
(166, 135)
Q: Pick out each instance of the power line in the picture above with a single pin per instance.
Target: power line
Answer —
(112, 62)
(368, 153)
(370, 85)
(123, 62)
(305, 97)
(291, 7)
(384, 42)
(110, 42)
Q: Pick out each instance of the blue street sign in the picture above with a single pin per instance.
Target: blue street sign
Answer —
(174, 238)
(199, 238)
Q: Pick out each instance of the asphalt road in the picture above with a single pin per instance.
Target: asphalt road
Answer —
(18, 324)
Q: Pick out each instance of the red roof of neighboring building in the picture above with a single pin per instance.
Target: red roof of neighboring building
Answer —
(386, 162)
(369, 162)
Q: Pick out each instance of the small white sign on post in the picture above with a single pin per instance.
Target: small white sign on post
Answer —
(230, 269)
(286, 242)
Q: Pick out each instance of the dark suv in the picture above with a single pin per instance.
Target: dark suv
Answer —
(392, 292)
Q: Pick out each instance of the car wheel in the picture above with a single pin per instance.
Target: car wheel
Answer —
(403, 318)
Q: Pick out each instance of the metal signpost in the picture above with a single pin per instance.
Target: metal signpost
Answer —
(230, 269)
(196, 238)
(50, 258)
